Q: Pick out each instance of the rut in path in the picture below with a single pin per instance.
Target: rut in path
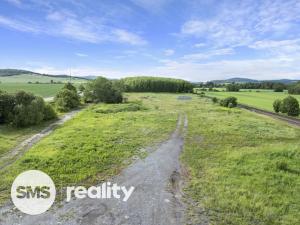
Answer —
(156, 199)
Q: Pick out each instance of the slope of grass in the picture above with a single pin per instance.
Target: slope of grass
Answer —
(25, 78)
(10, 137)
(262, 100)
(244, 168)
(92, 146)
(44, 90)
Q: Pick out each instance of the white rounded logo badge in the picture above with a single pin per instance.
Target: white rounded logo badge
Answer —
(33, 192)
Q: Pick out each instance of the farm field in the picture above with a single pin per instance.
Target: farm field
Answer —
(43, 90)
(25, 78)
(243, 167)
(261, 100)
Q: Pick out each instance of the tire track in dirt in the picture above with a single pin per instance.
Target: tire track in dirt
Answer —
(155, 201)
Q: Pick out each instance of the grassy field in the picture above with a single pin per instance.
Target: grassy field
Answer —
(44, 90)
(243, 167)
(95, 144)
(262, 100)
(25, 78)
(10, 137)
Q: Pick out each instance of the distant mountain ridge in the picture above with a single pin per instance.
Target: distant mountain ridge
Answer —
(247, 80)
(15, 72)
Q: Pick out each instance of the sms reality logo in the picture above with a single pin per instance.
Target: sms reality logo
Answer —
(33, 192)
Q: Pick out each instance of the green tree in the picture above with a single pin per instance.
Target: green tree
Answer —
(290, 105)
(66, 100)
(102, 90)
(229, 102)
(277, 105)
(232, 87)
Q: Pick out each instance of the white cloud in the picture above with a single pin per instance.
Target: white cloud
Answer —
(151, 5)
(284, 46)
(15, 2)
(128, 37)
(18, 25)
(81, 54)
(199, 45)
(169, 52)
(209, 54)
(69, 25)
(239, 23)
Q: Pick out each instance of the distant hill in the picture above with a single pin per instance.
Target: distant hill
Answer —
(25, 76)
(247, 80)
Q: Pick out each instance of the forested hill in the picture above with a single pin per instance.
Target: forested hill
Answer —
(12, 72)
(155, 84)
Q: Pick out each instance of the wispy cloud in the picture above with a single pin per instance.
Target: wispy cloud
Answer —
(152, 5)
(240, 23)
(81, 55)
(128, 37)
(15, 2)
(209, 54)
(69, 25)
(19, 25)
(169, 52)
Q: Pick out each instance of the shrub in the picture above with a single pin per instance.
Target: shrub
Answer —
(28, 110)
(49, 113)
(277, 105)
(214, 100)
(294, 89)
(229, 102)
(7, 103)
(102, 90)
(290, 105)
(66, 100)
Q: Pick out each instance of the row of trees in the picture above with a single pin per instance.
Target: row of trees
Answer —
(24, 109)
(289, 105)
(295, 89)
(98, 90)
(155, 84)
(277, 87)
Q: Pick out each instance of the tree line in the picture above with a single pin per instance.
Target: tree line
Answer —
(155, 84)
(277, 87)
(24, 109)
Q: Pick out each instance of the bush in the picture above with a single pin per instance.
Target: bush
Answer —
(229, 102)
(102, 90)
(290, 105)
(67, 98)
(214, 100)
(25, 109)
(7, 103)
(294, 89)
(49, 113)
(277, 105)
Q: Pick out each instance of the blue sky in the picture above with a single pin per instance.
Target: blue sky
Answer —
(198, 40)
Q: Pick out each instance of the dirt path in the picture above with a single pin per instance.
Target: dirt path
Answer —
(155, 201)
(290, 120)
(18, 151)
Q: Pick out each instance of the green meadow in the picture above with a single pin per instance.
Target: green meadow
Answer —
(259, 99)
(243, 168)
